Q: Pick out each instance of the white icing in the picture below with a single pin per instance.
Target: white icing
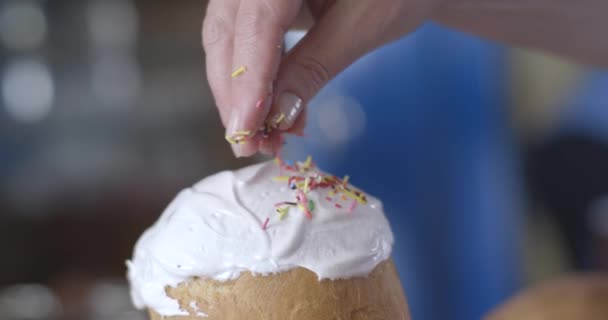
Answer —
(214, 230)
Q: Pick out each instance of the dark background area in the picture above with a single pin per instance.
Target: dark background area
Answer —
(105, 116)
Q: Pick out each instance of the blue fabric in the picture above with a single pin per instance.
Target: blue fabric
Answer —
(436, 150)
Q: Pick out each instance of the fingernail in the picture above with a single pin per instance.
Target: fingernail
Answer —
(265, 147)
(237, 137)
(237, 149)
(290, 106)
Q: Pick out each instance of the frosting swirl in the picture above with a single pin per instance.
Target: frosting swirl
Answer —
(218, 229)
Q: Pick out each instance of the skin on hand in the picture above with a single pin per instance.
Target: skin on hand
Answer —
(257, 87)
(270, 90)
(583, 296)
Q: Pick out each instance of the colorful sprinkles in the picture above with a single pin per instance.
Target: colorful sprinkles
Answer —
(270, 125)
(245, 136)
(300, 178)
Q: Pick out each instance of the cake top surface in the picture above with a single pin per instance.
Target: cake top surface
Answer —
(266, 218)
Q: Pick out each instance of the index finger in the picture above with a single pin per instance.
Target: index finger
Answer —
(259, 30)
(217, 36)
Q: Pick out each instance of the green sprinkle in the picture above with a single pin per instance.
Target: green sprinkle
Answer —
(311, 206)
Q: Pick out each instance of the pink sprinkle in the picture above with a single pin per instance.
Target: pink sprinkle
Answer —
(260, 103)
(352, 206)
(265, 225)
(338, 206)
(329, 199)
(302, 198)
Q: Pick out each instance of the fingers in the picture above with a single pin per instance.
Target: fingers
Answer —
(344, 31)
(274, 143)
(217, 37)
(259, 29)
(335, 42)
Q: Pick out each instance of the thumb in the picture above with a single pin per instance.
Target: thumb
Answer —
(344, 33)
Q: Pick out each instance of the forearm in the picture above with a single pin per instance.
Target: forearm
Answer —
(574, 28)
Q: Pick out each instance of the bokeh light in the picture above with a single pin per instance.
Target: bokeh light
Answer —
(28, 302)
(340, 119)
(27, 90)
(23, 25)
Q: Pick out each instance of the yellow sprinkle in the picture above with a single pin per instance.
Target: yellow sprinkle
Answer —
(242, 132)
(230, 140)
(239, 71)
(345, 180)
(280, 178)
(280, 118)
(283, 212)
(306, 182)
(351, 195)
(308, 161)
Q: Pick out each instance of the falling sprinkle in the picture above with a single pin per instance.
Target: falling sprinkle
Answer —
(238, 72)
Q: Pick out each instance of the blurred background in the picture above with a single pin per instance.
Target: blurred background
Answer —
(492, 162)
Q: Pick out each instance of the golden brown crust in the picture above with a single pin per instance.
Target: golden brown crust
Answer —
(294, 295)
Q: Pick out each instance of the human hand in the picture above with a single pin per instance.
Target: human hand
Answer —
(574, 297)
(261, 94)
